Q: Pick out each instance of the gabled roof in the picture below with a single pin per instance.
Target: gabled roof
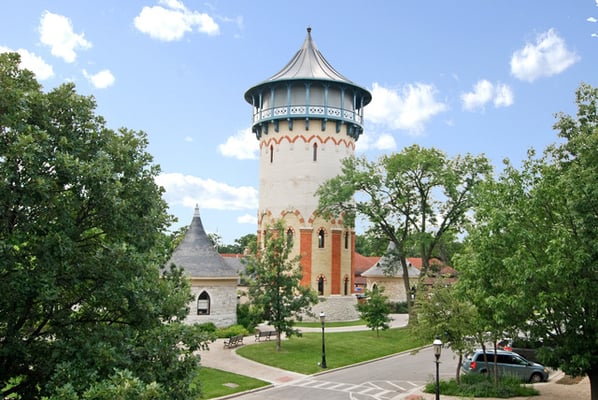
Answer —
(197, 256)
(414, 265)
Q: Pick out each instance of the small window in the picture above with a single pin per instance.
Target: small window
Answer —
(315, 155)
(346, 240)
(346, 288)
(321, 239)
(289, 237)
(271, 154)
(203, 304)
(321, 285)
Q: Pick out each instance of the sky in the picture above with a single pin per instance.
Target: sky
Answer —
(467, 76)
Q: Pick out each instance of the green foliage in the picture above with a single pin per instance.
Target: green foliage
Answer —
(240, 246)
(441, 313)
(81, 251)
(415, 199)
(531, 260)
(477, 385)
(374, 311)
(248, 316)
(400, 307)
(275, 283)
(122, 385)
(231, 331)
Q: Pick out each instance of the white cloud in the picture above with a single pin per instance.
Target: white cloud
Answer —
(548, 56)
(484, 92)
(503, 96)
(172, 21)
(188, 139)
(101, 80)
(385, 142)
(407, 109)
(592, 19)
(33, 63)
(242, 146)
(188, 190)
(56, 31)
(247, 219)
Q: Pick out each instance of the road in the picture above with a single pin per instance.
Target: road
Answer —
(384, 379)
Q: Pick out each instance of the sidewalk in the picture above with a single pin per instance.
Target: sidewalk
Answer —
(227, 360)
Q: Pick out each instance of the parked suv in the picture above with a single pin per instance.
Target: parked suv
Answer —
(507, 362)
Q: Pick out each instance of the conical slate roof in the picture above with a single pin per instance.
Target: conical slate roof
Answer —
(309, 63)
(197, 256)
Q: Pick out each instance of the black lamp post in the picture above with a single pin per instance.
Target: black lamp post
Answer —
(437, 349)
(322, 319)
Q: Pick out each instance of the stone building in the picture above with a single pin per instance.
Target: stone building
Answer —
(307, 118)
(213, 280)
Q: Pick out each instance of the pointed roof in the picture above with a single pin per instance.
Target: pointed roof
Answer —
(197, 256)
(309, 63)
(389, 263)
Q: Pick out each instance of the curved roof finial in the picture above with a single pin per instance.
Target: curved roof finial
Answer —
(196, 212)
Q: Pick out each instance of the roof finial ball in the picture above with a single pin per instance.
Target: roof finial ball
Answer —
(309, 29)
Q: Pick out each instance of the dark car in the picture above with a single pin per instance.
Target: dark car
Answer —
(524, 347)
(508, 364)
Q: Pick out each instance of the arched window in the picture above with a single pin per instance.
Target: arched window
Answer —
(315, 155)
(289, 237)
(321, 238)
(271, 154)
(346, 286)
(203, 304)
(321, 285)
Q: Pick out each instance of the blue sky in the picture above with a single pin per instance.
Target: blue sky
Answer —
(464, 76)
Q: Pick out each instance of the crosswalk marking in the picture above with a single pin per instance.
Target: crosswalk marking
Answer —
(379, 390)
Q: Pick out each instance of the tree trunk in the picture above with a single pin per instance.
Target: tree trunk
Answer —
(458, 372)
(278, 340)
(593, 375)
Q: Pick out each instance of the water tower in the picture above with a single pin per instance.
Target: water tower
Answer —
(307, 118)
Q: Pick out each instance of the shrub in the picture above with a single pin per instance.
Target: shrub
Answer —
(231, 331)
(476, 385)
(399, 307)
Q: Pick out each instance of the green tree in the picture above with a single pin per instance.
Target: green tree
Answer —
(543, 219)
(375, 310)
(81, 245)
(417, 195)
(274, 279)
(441, 313)
(241, 245)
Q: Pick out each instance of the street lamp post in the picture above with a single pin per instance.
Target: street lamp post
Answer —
(437, 349)
(322, 319)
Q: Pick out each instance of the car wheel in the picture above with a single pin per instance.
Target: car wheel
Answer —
(535, 378)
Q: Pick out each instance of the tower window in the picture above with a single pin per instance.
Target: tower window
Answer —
(289, 237)
(315, 155)
(321, 239)
(271, 154)
(203, 304)
(346, 240)
(346, 288)
(321, 285)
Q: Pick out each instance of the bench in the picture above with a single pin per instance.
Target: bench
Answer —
(265, 335)
(233, 341)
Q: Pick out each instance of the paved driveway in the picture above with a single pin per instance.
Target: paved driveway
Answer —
(385, 379)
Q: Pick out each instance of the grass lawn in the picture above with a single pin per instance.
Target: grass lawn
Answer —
(302, 354)
(217, 383)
